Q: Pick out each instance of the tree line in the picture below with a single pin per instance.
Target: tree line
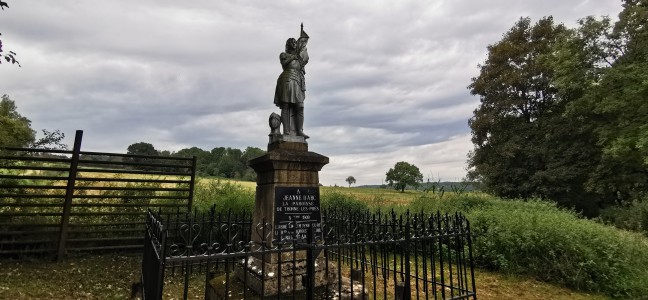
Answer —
(563, 112)
(220, 161)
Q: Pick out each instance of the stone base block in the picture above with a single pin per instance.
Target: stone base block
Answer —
(263, 278)
(348, 292)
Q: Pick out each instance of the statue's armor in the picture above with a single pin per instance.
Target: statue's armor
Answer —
(290, 85)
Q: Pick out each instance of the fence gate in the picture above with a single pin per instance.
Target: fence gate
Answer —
(53, 202)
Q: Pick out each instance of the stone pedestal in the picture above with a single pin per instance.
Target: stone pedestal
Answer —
(287, 164)
(287, 202)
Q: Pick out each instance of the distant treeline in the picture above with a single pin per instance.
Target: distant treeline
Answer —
(220, 161)
(448, 186)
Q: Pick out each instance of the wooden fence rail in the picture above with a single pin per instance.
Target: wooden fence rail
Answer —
(53, 202)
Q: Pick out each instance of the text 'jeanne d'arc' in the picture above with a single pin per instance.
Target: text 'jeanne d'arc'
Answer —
(298, 198)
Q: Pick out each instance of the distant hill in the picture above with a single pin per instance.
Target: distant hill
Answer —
(446, 185)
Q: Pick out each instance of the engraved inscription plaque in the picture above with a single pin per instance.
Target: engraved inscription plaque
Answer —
(297, 209)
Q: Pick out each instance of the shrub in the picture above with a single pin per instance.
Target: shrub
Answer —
(226, 196)
(632, 217)
(539, 239)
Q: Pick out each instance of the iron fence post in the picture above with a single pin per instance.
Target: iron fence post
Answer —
(192, 184)
(310, 263)
(408, 293)
(69, 193)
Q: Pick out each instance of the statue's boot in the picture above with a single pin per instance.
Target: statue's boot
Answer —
(300, 122)
(285, 119)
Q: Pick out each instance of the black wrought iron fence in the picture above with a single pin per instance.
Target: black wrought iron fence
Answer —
(56, 201)
(356, 256)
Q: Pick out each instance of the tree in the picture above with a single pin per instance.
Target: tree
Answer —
(16, 131)
(616, 107)
(562, 113)
(350, 180)
(10, 57)
(142, 148)
(404, 174)
(202, 158)
(250, 153)
(524, 145)
(517, 97)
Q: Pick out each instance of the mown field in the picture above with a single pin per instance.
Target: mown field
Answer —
(523, 249)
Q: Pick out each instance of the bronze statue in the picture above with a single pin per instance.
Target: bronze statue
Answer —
(291, 85)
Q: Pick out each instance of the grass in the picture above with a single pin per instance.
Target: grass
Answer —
(111, 277)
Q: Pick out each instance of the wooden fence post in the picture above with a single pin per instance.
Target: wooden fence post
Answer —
(69, 192)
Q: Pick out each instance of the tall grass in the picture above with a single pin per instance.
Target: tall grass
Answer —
(539, 239)
(342, 201)
(516, 237)
(225, 195)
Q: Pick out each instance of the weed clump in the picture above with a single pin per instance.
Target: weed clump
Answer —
(224, 195)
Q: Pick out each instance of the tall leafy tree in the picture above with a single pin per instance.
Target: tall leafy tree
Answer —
(525, 146)
(563, 112)
(516, 97)
(617, 107)
(404, 174)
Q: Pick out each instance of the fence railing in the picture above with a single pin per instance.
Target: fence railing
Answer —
(355, 256)
(57, 201)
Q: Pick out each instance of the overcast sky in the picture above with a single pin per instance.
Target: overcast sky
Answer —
(386, 81)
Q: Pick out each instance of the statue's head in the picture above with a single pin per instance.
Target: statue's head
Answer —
(291, 45)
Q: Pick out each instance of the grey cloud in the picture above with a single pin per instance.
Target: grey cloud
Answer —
(386, 81)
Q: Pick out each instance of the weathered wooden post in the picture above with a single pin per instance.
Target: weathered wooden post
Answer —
(69, 194)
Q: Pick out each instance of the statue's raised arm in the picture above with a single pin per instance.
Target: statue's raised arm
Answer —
(302, 43)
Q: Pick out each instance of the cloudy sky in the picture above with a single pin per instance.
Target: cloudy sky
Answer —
(386, 81)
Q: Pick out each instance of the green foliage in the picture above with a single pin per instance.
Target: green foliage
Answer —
(404, 174)
(220, 161)
(342, 201)
(539, 239)
(524, 147)
(632, 217)
(15, 130)
(554, 245)
(451, 203)
(563, 114)
(226, 196)
(141, 148)
(350, 180)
